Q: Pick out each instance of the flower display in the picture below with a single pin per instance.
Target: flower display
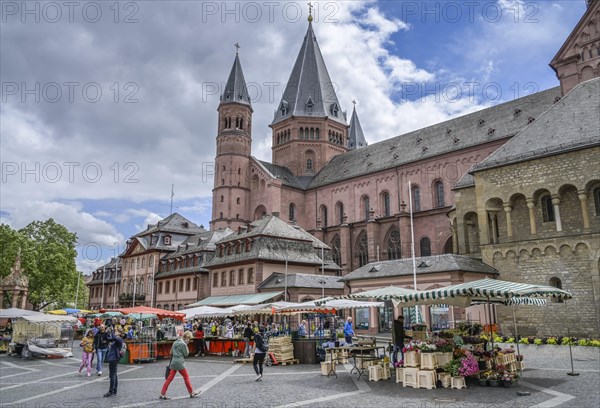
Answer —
(468, 365)
(444, 345)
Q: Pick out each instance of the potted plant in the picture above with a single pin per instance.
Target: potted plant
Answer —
(494, 379)
(444, 349)
(452, 368)
(509, 379)
(484, 378)
(426, 347)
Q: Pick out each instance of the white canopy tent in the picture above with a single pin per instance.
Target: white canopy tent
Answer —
(13, 313)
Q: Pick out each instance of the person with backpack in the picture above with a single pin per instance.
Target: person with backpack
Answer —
(179, 351)
(115, 352)
(88, 352)
(261, 347)
(101, 347)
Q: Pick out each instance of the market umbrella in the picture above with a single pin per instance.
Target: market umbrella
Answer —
(70, 310)
(162, 314)
(203, 311)
(13, 313)
(326, 305)
(61, 312)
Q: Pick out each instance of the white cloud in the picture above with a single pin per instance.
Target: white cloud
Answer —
(90, 230)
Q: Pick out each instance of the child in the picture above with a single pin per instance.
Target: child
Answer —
(88, 351)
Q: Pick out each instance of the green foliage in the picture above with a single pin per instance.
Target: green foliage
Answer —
(12, 243)
(52, 274)
(595, 343)
(510, 340)
(567, 341)
(524, 340)
(552, 340)
(538, 342)
(452, 367)
(584, 342)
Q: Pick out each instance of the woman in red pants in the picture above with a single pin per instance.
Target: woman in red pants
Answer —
(179, 352)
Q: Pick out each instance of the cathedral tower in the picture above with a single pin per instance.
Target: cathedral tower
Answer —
(231, 194)
(309, 127)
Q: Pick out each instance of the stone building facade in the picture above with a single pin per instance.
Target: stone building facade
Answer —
(536, 204)
(358, 198)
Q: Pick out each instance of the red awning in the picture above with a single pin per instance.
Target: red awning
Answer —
(160, 313)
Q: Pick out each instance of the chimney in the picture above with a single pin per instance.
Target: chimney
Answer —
(276, 214)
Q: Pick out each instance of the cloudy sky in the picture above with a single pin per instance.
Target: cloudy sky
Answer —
(106, 105)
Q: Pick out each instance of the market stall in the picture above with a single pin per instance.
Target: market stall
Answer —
(7, 318)
(450, 357)
(42, 334)
(154, 331)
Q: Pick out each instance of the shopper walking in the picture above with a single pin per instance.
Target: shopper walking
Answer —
(348, 330)
(101, 347)
(398, 338)
(88, 352)
(115, 337)
(179, 351)
(260, 351)
(248, 337)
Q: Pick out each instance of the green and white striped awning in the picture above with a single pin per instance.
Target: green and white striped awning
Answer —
(387, 293)
(407, 297)
(491, 289)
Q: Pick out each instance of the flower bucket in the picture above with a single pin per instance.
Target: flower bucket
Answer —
(443, 358)
(483, 382)
(494, 383)
(411, 359)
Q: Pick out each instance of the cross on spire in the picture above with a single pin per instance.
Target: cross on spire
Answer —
(310, 7)
(354, 103)
(237, 48)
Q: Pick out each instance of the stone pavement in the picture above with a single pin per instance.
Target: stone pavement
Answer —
(54, 383)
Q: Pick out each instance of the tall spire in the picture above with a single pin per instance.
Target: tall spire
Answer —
(309, 91)
(355, 134)
(235, 89)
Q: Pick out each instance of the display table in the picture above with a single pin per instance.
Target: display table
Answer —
(163, 348)
(218, 345)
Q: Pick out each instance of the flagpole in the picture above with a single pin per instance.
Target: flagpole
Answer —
(77, 293)
(154, 263)
(134, 282)
(115, 288)
(103, 277)
(412, 246)
(322, 272)
(285, 290)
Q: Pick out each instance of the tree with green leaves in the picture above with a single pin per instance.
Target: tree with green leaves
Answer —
(52, 272)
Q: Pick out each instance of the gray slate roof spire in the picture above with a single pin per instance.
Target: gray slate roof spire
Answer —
(309, 80)
(355, 134)
(235, 89)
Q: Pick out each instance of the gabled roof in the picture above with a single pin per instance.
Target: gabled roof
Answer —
(487, 125)
(425, 264)
(285, 175)
(593, 8)
(174, 223)
(309, 91)
(355, 134)
(572, 123)
(269, 226)
(235, 89)
(205, 241)
(277, 241)
(301, 280)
